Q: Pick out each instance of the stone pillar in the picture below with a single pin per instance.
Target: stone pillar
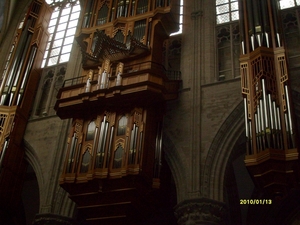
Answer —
(200, 211)
(53, 219)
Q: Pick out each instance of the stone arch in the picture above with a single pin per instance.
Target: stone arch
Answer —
(219, 153)
(63, 205)
(176, 167)
(224, 148)
(32, 158)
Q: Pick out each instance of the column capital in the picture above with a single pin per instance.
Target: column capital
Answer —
(200, 211)
(53, 219)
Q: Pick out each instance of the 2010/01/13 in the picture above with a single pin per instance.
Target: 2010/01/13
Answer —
(255, 201)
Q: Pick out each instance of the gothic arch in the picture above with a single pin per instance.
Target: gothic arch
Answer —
(32, 159)
(219, 153)
(176, 167)
(63, 204)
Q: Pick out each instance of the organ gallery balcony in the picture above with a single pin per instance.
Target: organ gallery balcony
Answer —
(144, 84)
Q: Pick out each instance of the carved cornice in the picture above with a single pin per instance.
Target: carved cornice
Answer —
(198, 211)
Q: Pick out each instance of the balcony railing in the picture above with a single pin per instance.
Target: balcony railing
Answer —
(146, 82)
(170, 74)
(74, 81)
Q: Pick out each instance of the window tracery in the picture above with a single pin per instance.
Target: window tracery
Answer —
(52, 80)
(228, 41)
(284, 4)
(62, 29)
(227, 11)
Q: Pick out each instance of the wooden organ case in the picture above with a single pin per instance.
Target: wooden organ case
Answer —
(114, 150)
(18, 85)
(272, 157)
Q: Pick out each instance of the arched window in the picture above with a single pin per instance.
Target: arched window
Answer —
(228, 39)
(62, 29)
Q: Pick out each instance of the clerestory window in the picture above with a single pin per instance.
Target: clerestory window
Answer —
(228, 39)
(62, 28)
(180, 19)
(284, 4)
(227, 11)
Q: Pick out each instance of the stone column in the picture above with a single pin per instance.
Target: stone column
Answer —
(53, 219)
(200, 211)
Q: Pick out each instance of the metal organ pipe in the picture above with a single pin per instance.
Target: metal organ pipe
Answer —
(242, 26)
(247, 128)
(265, 21)
(272, 121)
(288, 108)
(27, 72)
(279, 128)
(289, 115)
(271, 112)
(263, 128)
(265, 103)
(110, 145)
(250, 138)
(274, 5)
(250, 23)
(260, 14)
(103, 80)
(88, 14)
(275, 125)
(18, 62)
(2, 153)
(246, 117)
(257, 21)
(257, 132)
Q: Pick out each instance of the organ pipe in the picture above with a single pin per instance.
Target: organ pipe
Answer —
(268, 85)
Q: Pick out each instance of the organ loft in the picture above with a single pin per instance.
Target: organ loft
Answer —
(272, 155)
(108, 117)
(114, 150)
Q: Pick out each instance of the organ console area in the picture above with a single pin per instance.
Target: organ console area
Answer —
(114, 152)
(272, 150)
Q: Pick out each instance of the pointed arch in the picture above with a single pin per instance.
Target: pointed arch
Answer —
(176, 166)
(32, 158)
(219, 153)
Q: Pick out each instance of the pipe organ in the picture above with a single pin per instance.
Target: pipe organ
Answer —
(272, 150)
(117, 107)
(17, 89)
